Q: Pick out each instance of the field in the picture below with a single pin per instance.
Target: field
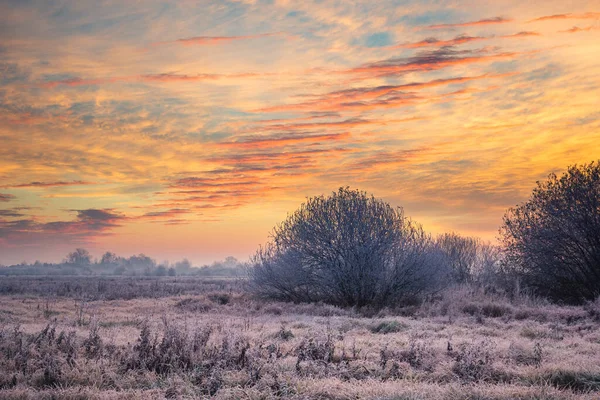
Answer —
(153, 338)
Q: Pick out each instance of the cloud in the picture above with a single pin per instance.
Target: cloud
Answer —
(213, 40)
(487, 21)
(84, 82)
(13, 213)
(49, 184)
(168, 77)
(283, 140)
(587, 15)
(386, 95)
(522, 34)
(181, 221)
(88, 224)
(431, 41)
(385, 159)
(427, 61)
(349, 123)
(99, 219)
(159, 215)
(196, 182)
(576, 29)
(274, 158)
(4, 197)
(152, 78)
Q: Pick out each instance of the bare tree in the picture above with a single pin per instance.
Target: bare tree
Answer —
(348, 249)
(553, 239)
(110, 258)
(461, 255)
(80, 257)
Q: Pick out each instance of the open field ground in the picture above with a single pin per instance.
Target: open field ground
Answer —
(133, 338)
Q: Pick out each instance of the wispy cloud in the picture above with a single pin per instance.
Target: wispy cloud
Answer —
(84, 82)
(486, 21)
(587, 15)
(354, 99)
(156, 78)
(13, 213)
(48, 184)
(214, 40)
(4, 197)
(168, 217)
(432, 41)
(282, 140)
(522, 34)
(428, 61)
(576, 29)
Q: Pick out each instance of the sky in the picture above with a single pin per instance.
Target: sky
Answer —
(191, 128)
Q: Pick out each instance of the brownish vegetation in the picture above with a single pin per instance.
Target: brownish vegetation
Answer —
(217, 341)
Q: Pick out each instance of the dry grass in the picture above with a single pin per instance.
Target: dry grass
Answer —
(222, 343)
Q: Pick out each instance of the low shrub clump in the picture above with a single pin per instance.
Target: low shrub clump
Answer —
(388, 327)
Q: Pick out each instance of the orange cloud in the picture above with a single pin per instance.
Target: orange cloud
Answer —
(428, 61)
(195, 182)
(522, 34)
(436, 42)
(355, 98)
(161, 78)
(588, 15)
(168, 77)
(168, 214)
(385, 159)
(213, 40)
(285, 158)
(81, 81)
(487, 21)
(4, 197)
(432, 41)
(48, 184)
(272, 141)
(349, 123)
(576, 29)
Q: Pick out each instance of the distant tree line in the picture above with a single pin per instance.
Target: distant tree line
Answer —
(350, 249)
(80, 262)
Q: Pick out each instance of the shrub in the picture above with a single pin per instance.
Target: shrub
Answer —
(522, 356)
(194, 305)
(593, 309)
(495, 310)
(284, 334)
(348, 249)
(219, 298)
(553, 239)
(388, 327)
(419, 354)
(474, 361)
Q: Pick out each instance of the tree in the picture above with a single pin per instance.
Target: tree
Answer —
(347, 249)
(461, 255)
(110, 258)
(183, 267)
(80, 257)
(553, 240)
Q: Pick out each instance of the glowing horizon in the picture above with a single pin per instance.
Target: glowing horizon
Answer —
(189, 129)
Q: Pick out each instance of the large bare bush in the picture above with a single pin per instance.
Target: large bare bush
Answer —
(553, 239)
(348, 249)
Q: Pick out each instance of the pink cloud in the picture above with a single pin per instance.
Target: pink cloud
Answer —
(487, 21)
